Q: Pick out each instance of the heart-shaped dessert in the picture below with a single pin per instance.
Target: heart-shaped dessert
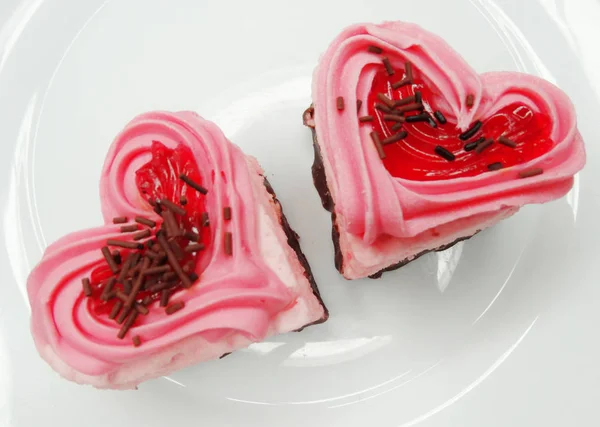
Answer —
(195, 260)
(415, 151)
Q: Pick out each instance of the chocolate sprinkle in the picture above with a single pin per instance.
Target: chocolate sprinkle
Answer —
(394, 118)
(123, 315)
(157, 270)
(137, 341)
(473, 144)
(87, 287)
(194, 248)
(115, 310)
(418, 97)
(407, 108)
(228, 243)
(418, 118)
(495, 166)
(406, 101)
(375, 49)
(110, 260)
(442, 152)
(179, 254)
(365, 119)
(175, 307)
(123, 244)
(508, 142)
(470, 100)
(128, 324)
(388, 66)
(378, 145)
(137, 286)
(121, 295)
(401, 83)
(183, 200)
(117, 257)
(205, 219)
(395, 138)
(358, 104)
(126, 267)
(142, 309)
(193, 184)
(387, 101)
(142, 234)
(108, 288)
(227, 213)
(397, 127)
(340, 103)
(119, 220)
(383, 108)
(470, 133)
(408, 68)
(173, 261)
(127, 286)
(483, 145)
(145, 221)
(171, 225)
(531, 172)
(439, 116)
(164, 297)
(190, 235)
(173, 207)
(129, 228)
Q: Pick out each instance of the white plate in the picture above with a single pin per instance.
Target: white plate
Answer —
(501, 330)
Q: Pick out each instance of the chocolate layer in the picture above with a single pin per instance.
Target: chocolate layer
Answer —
(320, 182)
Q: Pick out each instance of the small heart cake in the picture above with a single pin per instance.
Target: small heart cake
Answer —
(415, 151)
(195, 260)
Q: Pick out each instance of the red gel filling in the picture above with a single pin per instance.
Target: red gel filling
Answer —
(413, 158)
(155, 180)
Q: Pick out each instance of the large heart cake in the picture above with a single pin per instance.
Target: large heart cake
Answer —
(194, 261)
(415, 151)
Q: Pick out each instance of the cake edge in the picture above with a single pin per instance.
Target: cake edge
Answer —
(293, 241)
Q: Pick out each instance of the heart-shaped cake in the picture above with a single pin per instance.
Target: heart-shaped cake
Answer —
(415, 151)
(195, 260)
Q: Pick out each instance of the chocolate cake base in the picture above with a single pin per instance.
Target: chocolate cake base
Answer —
(320, 182)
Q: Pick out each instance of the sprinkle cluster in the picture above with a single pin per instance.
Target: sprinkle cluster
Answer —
(157, 261)
(412, 110)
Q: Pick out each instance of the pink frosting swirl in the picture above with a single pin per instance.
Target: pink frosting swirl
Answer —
(237, 295)
(369, 201)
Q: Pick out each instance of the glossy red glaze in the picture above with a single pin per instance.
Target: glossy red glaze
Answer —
(414, 158)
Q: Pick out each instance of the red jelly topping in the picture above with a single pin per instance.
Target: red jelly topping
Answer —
(159, 179)
(414, 157)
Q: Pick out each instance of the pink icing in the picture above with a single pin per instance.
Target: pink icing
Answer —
(370, 203)
(238, 298)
